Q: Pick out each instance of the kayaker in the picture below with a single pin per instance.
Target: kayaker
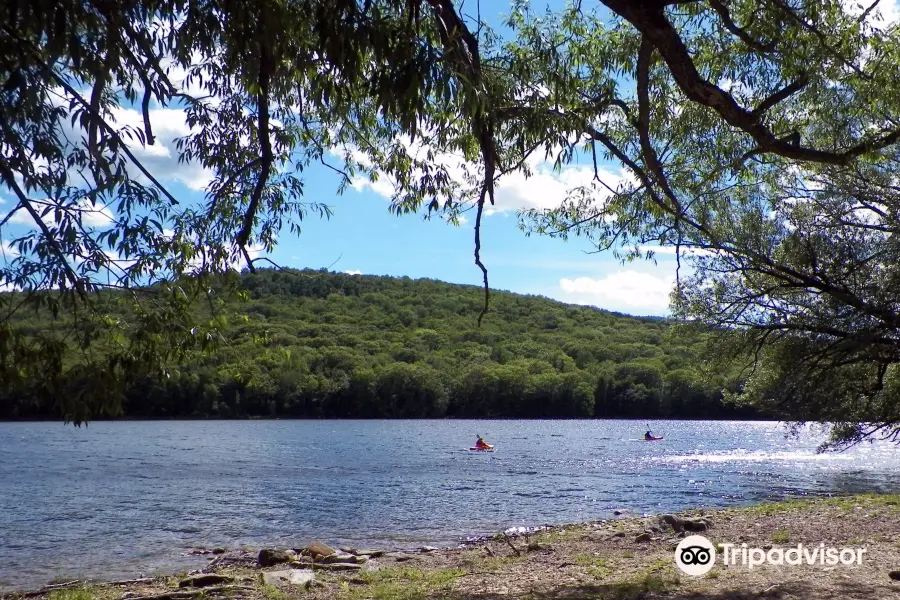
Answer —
(648, 435)
(481, 443)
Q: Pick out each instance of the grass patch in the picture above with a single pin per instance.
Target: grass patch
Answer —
(271, 592)
(589, 560)
(660, 565)
(782, 536)
(490, 564)
(599, 572)
(404, 584)
(596, 566)
(843, 503)
(769, 509)
(631, 590)
(554, 535)
(75, 593)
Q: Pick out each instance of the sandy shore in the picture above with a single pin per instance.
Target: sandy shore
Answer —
(627, 558)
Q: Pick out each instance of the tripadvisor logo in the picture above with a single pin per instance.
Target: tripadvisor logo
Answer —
(696, 555)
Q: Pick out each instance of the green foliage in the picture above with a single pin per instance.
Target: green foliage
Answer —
(782, 536)
(317, 344)
(268, 89)
(76, 593)
(405, 584)
(761, 141)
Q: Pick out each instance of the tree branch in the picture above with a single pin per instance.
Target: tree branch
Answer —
(731, 26)
(25, 203)
(648, 18)
(782, 94)
(266, 158)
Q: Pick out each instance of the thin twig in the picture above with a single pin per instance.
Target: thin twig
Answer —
(508, 541)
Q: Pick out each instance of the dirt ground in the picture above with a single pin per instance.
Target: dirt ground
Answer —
(591, 560)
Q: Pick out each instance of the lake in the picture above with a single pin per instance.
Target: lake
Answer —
(117, 499)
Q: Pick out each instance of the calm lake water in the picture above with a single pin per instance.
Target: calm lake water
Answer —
(118, 499)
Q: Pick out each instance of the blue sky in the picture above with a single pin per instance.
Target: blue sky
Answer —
(363, 237)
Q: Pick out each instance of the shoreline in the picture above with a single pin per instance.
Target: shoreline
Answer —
(135, 419)
(623, 557)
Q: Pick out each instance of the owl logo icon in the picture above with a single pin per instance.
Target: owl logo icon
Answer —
(695, 555)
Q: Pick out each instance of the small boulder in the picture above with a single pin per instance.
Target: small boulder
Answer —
(299, 577)
(695, 524)
(348, 549)
(369, 553)
(895, 575)
(399, 556)
(338, 566)
(319, 549)
(204, 580)
(428, 549)
(676, 523)
(643, 537)
(272, 556)
(343, 557)
(219, 551)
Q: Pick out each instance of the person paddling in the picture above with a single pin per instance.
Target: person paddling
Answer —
(481, 443)
(649, 434)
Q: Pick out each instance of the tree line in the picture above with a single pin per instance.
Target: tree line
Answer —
(327, 345)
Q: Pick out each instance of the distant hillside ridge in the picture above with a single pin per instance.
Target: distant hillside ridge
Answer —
(318, 344)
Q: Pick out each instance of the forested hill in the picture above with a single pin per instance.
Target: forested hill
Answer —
(317, 344)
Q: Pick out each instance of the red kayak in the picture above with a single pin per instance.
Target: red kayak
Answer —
(482, 449)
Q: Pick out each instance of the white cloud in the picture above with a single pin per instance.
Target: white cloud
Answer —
(353, 272)
(381, 186)
(91, 216)
(885, 15)
(161, 159)
(628, 289)
(544, 188)
(7, 251)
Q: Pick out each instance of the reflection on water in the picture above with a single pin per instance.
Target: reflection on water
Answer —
(116, 499)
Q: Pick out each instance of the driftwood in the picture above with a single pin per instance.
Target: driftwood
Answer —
(130, 581)
(180, 595)
(511, 545)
